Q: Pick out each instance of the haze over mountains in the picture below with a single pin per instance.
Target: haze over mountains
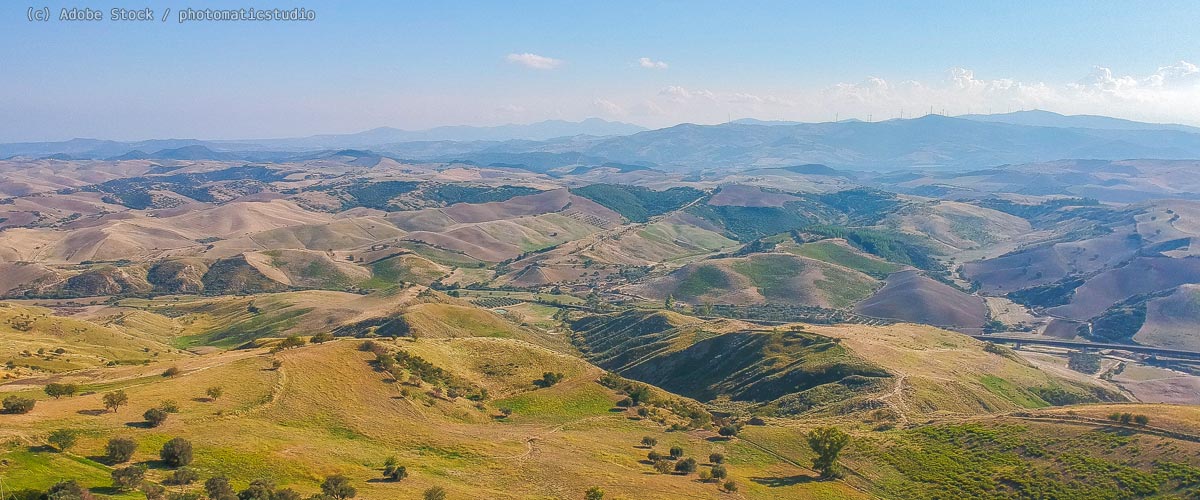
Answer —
(969, 141)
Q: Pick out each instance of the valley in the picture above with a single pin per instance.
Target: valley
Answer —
(515, 332)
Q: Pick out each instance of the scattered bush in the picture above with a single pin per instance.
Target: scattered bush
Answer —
(649, 442)
(182, 477)
(63, 439)
(57, 390)
(662, 466)
(728, 430)
(155, 417)
(153, 491)
(290, 342)
(716, 458)
(676, 452)
(169, 406)
(686, 466)
(128, 478)
(321, 338)
(730, 486)
(654, 456)
(338, 486)
(214, 393)
(68, 490)
(594, 493)
(435, 493)
(177, 452)
(119, 450)
(171, 372)
(218, 488)
(719, 472)
(549, 379)
(1141, 419)
(18, 404)
(259, 489)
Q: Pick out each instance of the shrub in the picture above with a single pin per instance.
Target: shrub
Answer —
(18, 404)
(275, 365)
(686, 466)
(719, 472)
(214, 392)
(321, 338)
(549, 379)
(338, 486)
(290, 342)
(218, 488)
(69, 490)
(153, 491)
(730, 486)
(128, 478)
(594, 493)
(182, 477)
(827, 443)
(676, 451)
(654, 456)
(119, 450)
(662, 466)
(177, 452)
(155, 417)
(259, 489)
(705, 476)
(1126, 418)
(169, 406)
(728, 430)
(1141, 419)
(63, 439)
(649, 442)
(395, 472)
(115, 400)
(285, 494)
(171, 372)
(435, 493)
(505, 411)
(716, 458)
(57, 390)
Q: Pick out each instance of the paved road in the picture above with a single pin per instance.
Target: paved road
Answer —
(1158, 351)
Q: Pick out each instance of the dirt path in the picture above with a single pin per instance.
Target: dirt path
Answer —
(895, 399)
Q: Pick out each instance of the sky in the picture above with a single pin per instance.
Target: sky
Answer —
(416, 65)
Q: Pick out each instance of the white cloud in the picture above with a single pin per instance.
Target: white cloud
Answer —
(534, 61)
(608, 108)
(648, 63)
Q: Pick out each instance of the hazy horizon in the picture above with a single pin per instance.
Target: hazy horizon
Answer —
(360, 66)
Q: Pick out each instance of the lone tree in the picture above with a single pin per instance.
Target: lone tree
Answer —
(57, 390)
(128, 478)
(63, 439)
(18, 404)
(435, 493)
(155, 417)
(594, 493)
(649, 442)
(676, 451)
(827, 442)
(214, 392)
(338, 486)
(119, 450)
(115, 400)
(176, 452)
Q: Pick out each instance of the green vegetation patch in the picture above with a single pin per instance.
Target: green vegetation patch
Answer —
(638, 203)
(833, 253)
(701, 280)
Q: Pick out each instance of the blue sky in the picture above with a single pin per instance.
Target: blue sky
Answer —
(422, 64)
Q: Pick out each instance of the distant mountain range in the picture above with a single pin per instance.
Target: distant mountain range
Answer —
(969, 141)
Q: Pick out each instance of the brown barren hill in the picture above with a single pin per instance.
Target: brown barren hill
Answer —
(913, 297)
